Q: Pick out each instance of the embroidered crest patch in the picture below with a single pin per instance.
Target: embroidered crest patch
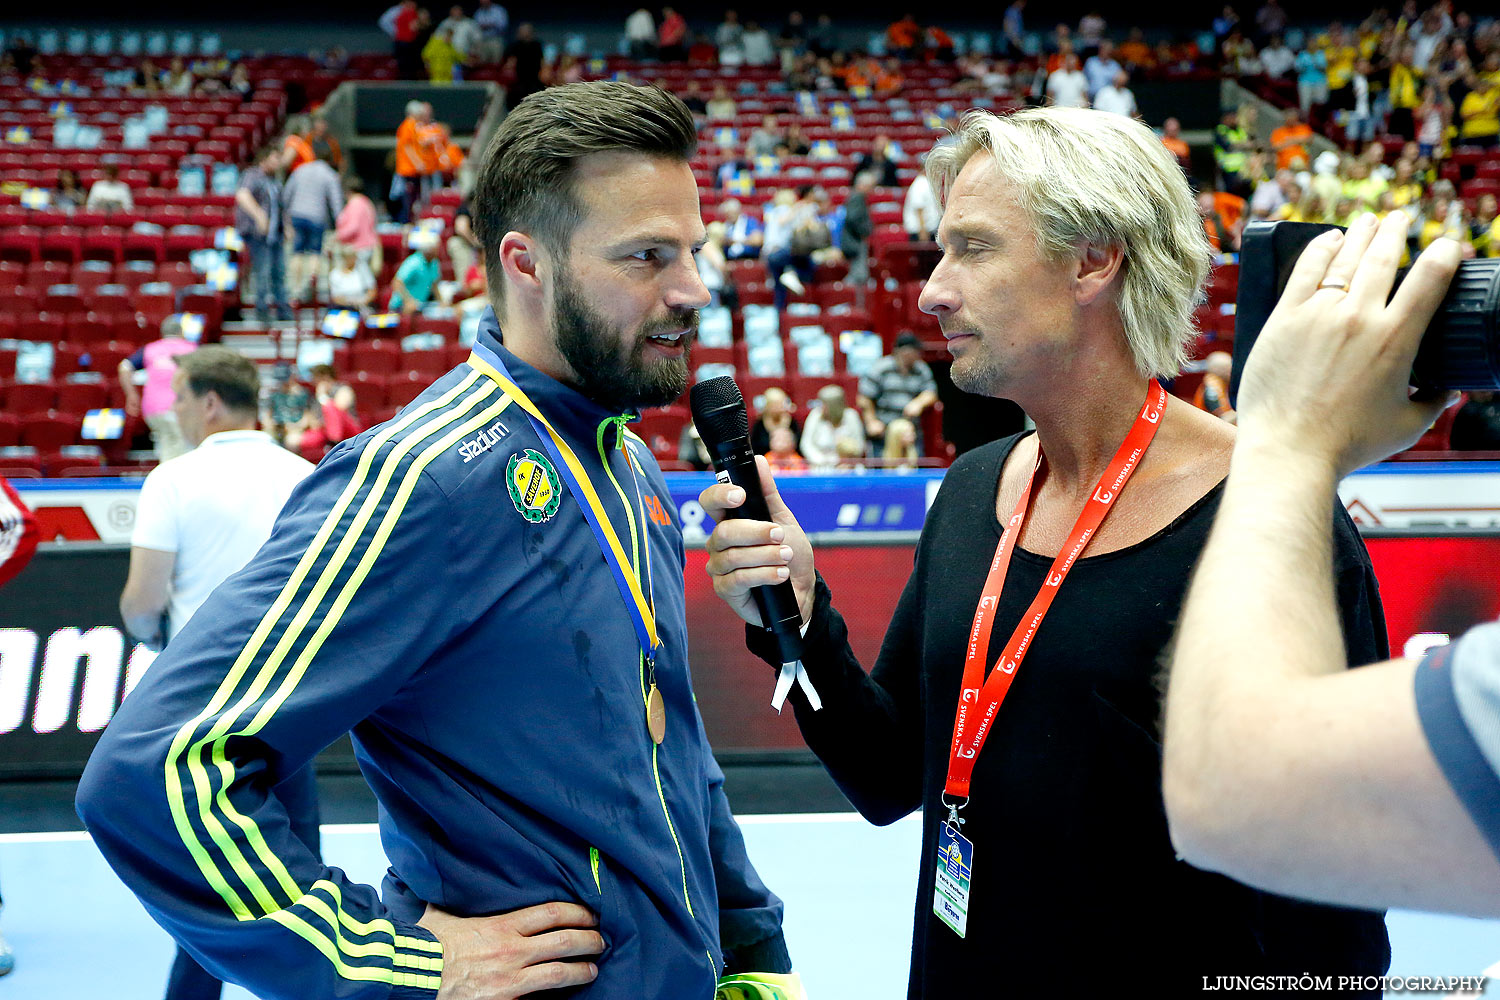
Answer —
(535, 487)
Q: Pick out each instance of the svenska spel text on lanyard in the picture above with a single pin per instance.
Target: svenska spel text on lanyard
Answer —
(639, 607)
(980, 697)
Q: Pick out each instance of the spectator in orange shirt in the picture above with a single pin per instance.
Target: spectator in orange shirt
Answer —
(888, 78)
(409, 158)
(1135, 52)
(783, 456)
(299, 150)
(450, 157)
(940, 44)
(1221, 236)
(1289, 140)
(902, 36)
(1171, 137)
(1213, 392)
(1064, 49)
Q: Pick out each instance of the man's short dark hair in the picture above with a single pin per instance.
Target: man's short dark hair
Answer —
(229, 374)
(525, 183)
(908, 340)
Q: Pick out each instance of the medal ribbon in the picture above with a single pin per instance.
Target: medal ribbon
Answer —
(979, 698)
(577, 479)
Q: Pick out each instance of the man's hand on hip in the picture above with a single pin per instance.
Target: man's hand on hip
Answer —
(1328, 376)
(514, 954)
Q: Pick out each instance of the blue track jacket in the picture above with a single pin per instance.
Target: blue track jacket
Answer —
(490, 675)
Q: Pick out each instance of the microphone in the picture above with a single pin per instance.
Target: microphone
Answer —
(719, 413)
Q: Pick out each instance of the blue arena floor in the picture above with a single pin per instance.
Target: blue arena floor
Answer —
(79, 934)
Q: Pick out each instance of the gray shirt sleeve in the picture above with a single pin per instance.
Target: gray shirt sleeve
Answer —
(1458, 701)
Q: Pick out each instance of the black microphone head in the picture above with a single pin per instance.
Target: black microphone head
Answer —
(719, 410)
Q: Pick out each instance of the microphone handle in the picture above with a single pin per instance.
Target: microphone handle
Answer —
(734, 462)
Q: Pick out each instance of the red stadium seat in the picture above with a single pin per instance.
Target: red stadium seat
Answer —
(64, 243)
(369, 389)
(42, 327)
(30, 397)
(154, 307)
(403, 388)
(104, 244)
(20, 463)
(21, 243)
(73, 460)
(431, 364)
(145, 246)
(63, 299)
(376, 357)
(51, 431)
(10, 428)
(80, 397)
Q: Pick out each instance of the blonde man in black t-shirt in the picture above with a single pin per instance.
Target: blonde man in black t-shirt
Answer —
(1073, 257)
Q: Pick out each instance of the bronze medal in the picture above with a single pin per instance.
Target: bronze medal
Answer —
(656, 716)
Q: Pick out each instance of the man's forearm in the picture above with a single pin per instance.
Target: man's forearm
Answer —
(1269, 558)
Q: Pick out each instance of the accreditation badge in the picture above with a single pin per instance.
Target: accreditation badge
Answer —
(950, 898)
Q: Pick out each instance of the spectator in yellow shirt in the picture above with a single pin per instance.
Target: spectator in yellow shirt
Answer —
(1483, 230)
(440, 56)
(1479, 114)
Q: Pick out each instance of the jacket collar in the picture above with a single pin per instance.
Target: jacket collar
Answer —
(569, 410)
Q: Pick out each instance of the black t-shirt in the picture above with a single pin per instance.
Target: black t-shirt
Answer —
(1073, 871)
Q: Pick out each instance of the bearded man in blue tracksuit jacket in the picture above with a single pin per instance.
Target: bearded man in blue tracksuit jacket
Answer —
(473, 590)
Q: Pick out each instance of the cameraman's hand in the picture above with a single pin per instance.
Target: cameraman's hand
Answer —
(746, 554)
(1328, 377)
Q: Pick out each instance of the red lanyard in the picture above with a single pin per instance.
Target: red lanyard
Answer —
(980, 699)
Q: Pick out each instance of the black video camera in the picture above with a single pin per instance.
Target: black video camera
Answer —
(1460, 349)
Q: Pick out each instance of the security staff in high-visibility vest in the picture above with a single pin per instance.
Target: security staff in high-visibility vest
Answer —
(1232, 149)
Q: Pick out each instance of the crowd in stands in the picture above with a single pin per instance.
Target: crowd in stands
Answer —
(820, 220)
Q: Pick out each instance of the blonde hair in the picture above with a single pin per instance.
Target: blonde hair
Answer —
(1101, 179)
(895, 448)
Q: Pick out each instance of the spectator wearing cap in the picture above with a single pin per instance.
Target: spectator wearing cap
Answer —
(153, 402)
(898, 385)
(415, 279)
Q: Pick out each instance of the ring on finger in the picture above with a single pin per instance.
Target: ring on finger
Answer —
(1335, 283)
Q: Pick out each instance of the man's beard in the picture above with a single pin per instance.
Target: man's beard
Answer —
(591, 346)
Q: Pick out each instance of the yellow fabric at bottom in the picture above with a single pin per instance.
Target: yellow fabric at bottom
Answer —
(761, 986)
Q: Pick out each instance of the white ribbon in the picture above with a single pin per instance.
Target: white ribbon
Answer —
(790, 672)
